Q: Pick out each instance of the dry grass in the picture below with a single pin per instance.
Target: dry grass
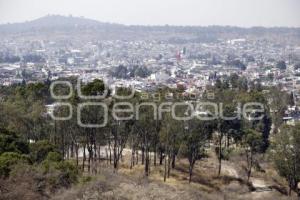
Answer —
(132, 184)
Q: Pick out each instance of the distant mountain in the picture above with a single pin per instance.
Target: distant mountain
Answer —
(54, 22)
(59, 21)
(79, 27)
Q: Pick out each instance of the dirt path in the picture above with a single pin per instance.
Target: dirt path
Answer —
(122, 186)
(262, 189)
(229, 169)
(259, 183)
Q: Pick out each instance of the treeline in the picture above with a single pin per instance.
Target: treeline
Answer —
(8, 58)
(33, 170)
(126, 72)
(156, 140)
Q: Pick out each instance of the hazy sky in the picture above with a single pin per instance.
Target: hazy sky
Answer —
(160, 12)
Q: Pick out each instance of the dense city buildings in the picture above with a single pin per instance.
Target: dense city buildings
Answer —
(148, 57)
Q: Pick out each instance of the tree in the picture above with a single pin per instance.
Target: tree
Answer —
(193, 147)
(233, 79)
(286, 155)
(146, 129)
(39, 150)
(243, 84)
(279, 102)
(8, 159)
(92, 114)
(120, 131)
(121, 72)
(259, 121)
(142, 71)
(171, 135)
(281, 65)
(237, 63)
(251, 142)
(225, 131)
(10, 142)
(297, 66)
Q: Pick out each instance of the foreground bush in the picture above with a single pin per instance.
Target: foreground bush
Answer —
(39, 150)
(59, 173)
(10, 142)
(8, 160)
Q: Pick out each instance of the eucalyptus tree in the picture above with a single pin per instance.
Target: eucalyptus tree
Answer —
(145, 125)
(251, 143)
(171, 137)
(91, 115)
(285, 153)
(194, 142)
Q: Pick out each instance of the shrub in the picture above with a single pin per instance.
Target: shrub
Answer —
(54, 157)
(48, 176)
(86, 179)
(69, 172)
(281, 65)
(8, 160)
(10, 142)
(25, 182)
(59, 173)
(39, 150)
(226, 152)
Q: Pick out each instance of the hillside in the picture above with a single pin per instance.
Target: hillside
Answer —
(51, 24)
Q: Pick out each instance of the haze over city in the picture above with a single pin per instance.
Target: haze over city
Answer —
(244, 13)
(149, 99)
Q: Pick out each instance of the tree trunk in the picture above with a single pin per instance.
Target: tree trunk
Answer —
(109, 147)
(143, 155)
(190, 173)
(160, 157)
(95, 157)
(147, 162)
(76, 153)
(89, 159)
(220, 148)
(250, 166)
(173, 160)
(63, 144)
(132, 158)
(72, 149)
(228, 141)
(99, 153)
(84, 157)
(169, 165)
(115, 160)
(220, 156)
(107, 160)
(154, 159)
(165, 173)
(68, 151)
